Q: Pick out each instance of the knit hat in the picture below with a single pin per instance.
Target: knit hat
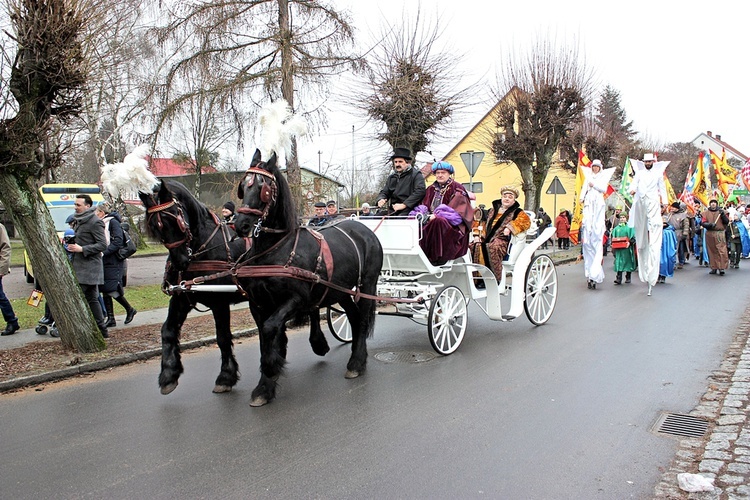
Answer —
(229, 206)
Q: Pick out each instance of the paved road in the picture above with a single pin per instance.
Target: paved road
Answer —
(559, 411)
(141, 271)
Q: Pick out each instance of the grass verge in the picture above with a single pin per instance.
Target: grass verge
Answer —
(143, 298)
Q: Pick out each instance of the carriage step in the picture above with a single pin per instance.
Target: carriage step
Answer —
(390, 313)
(507, 317)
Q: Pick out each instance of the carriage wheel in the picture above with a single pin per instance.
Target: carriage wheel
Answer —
(338, 324)
(540, 289)
(446, 323)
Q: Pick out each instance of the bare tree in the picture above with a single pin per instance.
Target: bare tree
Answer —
(412, 85)
(258, 49)
(47, 74)
(542, 95)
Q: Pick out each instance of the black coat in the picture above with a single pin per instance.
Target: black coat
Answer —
(407, 187)
(112, 265)
(90, 236)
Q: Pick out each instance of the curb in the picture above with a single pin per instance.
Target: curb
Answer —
(104, 364)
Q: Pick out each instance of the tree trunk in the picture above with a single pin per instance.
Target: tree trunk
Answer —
(78, 329)
(528, 186)
(293, 175)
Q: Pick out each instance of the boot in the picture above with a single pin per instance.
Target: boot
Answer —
(618, 280)
(110, 308)
(130, 311)
(627, 277)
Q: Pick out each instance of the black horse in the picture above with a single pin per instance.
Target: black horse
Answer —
(199, 245)
(301, 269)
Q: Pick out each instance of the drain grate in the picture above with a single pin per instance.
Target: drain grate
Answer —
(679, 424)
(404, 356)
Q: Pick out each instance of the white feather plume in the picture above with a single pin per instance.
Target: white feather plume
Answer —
(277, 126)
(130, 176)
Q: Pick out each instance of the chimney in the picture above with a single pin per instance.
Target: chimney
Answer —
(718, 137)
(709, 133)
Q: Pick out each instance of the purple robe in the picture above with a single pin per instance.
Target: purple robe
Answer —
(446, 236)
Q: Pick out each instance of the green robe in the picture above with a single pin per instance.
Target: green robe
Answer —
(624, 257)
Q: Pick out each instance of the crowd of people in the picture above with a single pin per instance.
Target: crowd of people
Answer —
(94, 244)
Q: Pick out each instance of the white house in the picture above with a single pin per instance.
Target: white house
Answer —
(711, 141)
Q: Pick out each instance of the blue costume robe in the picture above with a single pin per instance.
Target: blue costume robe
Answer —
(668, 252)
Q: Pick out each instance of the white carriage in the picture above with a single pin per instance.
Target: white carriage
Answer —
(443, 293)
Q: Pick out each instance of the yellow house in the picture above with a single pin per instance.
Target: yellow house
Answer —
(492, 174)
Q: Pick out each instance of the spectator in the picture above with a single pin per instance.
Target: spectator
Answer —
(319, 217)
(113, 266)
(405, 188)
(9, 315)
(333, 211)
(562, 230)
(365, 210)
(544, 221)
(227, 212)
(87, 256)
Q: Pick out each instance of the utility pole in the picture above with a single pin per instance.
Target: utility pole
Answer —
(319, 153)
(353, 171)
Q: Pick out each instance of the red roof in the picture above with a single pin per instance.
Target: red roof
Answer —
(167, 167)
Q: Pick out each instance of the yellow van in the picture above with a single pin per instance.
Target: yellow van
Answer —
(60, 200)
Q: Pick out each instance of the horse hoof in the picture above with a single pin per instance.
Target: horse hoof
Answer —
(166, 389)
(218, 389)
(351, 374)
(259, 401)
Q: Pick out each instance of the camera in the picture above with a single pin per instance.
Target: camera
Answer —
(69, 239)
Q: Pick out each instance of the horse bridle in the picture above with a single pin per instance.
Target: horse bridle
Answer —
(182, 224)
(268, 193)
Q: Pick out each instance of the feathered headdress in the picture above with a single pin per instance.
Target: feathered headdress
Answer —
(277, 125)
(132, 175)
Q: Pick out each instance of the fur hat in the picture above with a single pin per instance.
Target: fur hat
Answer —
(401, 153)
(509, 189)
(229, 206)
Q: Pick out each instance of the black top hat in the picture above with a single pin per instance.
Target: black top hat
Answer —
(401, 153)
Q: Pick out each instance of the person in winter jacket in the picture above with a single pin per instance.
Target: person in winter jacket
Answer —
(113, 266)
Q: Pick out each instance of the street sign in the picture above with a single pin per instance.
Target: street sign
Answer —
(472, 159)
(740, 192)
(556, 187)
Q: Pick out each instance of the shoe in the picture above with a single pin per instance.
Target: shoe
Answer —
(111, 323)
(721, 273)
(627, 281)
(10, 329)
(712, 271)
(679, 266)
(130, 315)
(104, 332)
(618, 282)
(588, 283)
(649, 290)
(46, 321)
(54, 332)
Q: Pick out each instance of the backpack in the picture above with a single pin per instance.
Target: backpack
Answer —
(128, 246)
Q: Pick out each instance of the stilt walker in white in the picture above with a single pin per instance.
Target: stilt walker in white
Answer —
(649, 196)
(593, 226)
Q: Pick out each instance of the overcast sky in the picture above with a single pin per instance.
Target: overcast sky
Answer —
(680, 67)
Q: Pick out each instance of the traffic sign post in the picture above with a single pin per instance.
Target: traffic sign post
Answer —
(555, 188)
(471, 160)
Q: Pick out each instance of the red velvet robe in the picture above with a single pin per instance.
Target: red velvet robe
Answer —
(442, 241)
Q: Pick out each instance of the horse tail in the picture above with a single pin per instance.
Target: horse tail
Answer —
(301, 318)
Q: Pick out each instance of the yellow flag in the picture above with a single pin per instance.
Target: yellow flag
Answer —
(577, 216)
(671, 197)
(702, 189)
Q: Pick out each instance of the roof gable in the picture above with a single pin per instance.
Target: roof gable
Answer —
(167, 167)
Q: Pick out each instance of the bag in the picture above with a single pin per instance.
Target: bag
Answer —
(620, 242)
(128, 247)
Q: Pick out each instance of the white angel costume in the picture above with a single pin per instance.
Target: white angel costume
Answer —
(593, 223)
(645, 217)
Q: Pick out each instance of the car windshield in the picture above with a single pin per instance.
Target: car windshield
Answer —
(59, 214)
